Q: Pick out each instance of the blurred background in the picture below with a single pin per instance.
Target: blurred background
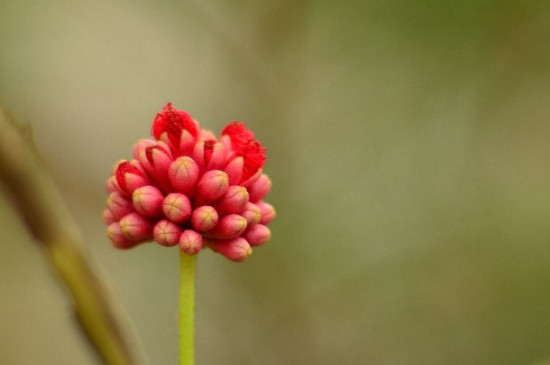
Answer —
(408, 143)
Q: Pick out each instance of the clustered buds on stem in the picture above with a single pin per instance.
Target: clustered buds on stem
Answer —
(188, 188)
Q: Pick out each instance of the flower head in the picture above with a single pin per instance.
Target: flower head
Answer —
(187, 187)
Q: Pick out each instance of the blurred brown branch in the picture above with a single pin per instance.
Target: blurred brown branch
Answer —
(34, 194)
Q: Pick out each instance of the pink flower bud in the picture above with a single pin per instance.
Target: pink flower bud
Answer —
(267, 211)
(156, 160)
(108, 217)
(209, 154)
(184, 174)
(147, 200)
(204, 218)
(167, 233)
(112, 185)
(119, 205)
(237, 249)
(130, 177)
(206, 135)
(139, 148)
(190, 242)
(234, 200)
(257, 234)
(135, 227)
(114, 233)
(177, 207)
(259, 189)
(229, 226)
(234, 170)
(212, 186)
(251, 213)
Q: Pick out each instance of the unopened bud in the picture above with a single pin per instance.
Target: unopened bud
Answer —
(257, 234)
(234, 200)
(135, 227)
(139, 148)
(237, 249)
(259, 189)
(184, 174)
(251, 213)
(147, 200)
(177, 207)
(119, 205)
(209, 154)
(190, 242)
(114, 232)
(108, 217)
(234, 170)
(167, 233)
(229, 226)
(212, 186)
(204, 218)
(156, 160)
(267, 211)
(112, 185)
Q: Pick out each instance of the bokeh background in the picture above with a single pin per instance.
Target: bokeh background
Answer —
(408, 143)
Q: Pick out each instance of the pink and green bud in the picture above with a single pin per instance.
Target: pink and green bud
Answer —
(237, 249)
(234, 200)
(156, 160)
(257, 234)
(119, 205)
(167, 233)
(130, 176)
(147, 200)
(212, 186)
(251, 213)
(112, 185)
(267, 211)
(190, 242)
(135, 227)
(229, 226)
(259, 189)
(183, 174)
(140, 146)
(204, 218)
(114, 232)
(177, 207)
(108, 217)
(234, 170)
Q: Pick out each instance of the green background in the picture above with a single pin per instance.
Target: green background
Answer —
(408, 143)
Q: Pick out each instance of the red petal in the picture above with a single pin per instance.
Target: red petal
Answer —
(254, 159)
(238, 134)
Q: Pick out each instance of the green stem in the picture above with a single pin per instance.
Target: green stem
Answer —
(187, 309)
(35, 195)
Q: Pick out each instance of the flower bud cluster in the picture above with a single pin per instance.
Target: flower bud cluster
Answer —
(188, 189)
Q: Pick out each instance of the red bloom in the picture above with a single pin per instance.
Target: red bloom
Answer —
(254, 159)
(173, 122)
(238, 133)
(189, 189)
(244, 145)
